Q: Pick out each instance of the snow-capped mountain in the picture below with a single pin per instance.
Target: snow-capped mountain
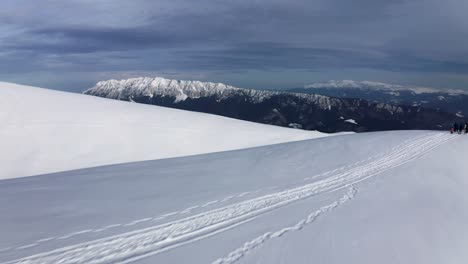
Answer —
(371, 85)
(299, 110)
(180, 90)
(453, 101)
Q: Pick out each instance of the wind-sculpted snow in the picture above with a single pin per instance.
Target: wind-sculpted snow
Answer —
(141, 243)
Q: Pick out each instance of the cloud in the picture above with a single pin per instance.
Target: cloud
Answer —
(229, 37)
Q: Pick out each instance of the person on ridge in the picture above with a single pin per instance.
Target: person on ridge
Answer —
(455, 127)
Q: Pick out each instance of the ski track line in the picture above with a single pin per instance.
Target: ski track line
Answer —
(366, 160)
(216, 201)
(138, 221)
(188, 210)
(27, 246)
(158, 218)
(75, 234)
(237, 254)
(106, 228)
(228, 198)
(170, 214)
(209, 203)
(45, 239)
(133, 245)
(134, 222)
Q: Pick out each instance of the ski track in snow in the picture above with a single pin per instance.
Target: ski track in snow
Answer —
(189, 209)
(237, 254)
(131, 246)
(134, 222)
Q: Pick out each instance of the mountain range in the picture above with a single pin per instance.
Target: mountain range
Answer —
(452, 101)
(298, 108)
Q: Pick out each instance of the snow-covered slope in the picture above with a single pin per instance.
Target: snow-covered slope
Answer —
(45, 131)
(386, 197)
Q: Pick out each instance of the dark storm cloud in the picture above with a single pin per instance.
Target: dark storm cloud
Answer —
(421, 36)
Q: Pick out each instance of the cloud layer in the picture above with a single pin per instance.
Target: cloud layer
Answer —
(255, 43)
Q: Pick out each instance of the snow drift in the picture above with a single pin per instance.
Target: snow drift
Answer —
(45, 131)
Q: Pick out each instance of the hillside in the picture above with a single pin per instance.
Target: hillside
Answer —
(47, 131)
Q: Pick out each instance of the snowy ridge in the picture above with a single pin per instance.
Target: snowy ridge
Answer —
(369, 85)
(41, 124)
(131, 246)
(144, 86)
(181, 90)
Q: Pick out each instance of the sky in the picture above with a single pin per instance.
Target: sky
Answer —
(266, 44)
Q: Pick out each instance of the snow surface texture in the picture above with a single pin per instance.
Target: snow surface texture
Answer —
(390, 197)
(369, 85)
(45, 131)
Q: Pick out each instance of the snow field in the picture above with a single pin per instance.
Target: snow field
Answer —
(138, 244)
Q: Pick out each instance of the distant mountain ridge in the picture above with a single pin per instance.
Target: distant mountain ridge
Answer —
(453, 101)
(380, 86)
(182, 90)
(282, 108)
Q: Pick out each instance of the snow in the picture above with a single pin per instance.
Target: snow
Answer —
(351, 121)
(46, 131)
(181, 90)
(295, 125)
(393, 89)
(384, 197)
(146, 86)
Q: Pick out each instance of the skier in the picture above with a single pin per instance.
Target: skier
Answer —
(461, 128)
(455, 127)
